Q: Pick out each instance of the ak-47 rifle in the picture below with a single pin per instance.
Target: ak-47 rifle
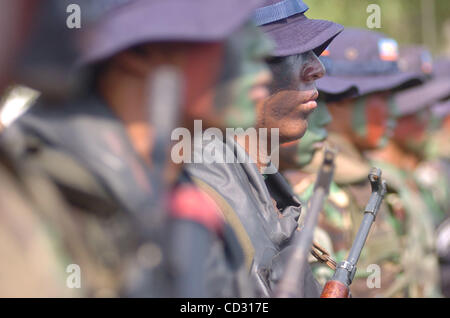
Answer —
(339, 285)
(290, 284)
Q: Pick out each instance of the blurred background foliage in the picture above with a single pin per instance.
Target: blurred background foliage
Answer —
(408, 21)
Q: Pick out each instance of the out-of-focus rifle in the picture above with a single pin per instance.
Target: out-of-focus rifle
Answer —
(291, 284)
(163, 104)
(339, 285)
(180, 228)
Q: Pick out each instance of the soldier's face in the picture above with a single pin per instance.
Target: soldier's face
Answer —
(299, 153)
(370, 120)
(365, 120)
(446, 123)
(410, 131)
(293, 95)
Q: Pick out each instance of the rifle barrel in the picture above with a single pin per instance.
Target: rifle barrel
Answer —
(338, 286)
(290, 285)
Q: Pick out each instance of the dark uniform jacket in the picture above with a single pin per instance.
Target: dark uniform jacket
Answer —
(262, 210)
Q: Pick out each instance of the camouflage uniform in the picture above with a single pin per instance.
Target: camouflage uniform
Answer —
(432, 177)
(401, 241)
(420, 275)
(342, 215)
(369, 61)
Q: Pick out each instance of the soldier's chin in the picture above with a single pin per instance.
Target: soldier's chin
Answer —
(293, 132)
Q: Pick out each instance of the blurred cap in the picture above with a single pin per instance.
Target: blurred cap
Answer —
(293, 33)
(418, 59)
(116, 25)
(441, 109)
(365, 59)
(417, 98)
(441, 67)
(412, 100)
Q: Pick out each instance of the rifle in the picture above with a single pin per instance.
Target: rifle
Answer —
(289, 285)
(163, 102)
(339, 285)
(186, 240)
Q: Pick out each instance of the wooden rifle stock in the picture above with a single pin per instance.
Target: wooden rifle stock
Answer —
(335, 289)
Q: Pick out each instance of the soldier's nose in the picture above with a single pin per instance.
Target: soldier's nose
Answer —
(314, 68)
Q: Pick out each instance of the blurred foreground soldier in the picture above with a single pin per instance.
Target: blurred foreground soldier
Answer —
(367, 60)
(107, 150)
(253, 197)
(34, 263)
(31, 265)
(44, 245)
